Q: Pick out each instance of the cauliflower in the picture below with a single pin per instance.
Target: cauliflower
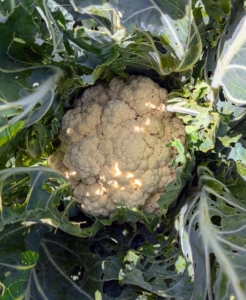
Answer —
(113, 146)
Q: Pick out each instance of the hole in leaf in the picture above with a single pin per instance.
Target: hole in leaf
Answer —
(216, 220)
(229, 205)
(61, 206)
(137, 241)
(176, 245)
(196, 226)
(144, 262)
(194, 209)
(152, 279)
(210, 74)
(159, 257)
(226, 32)
(212, 259)
(104, 247)
(167, 232)
(159, 46)
(234, 251)
(213, 197)
(77, 24)
(167, 282)
(102, 276)
(78, 273)
(112, 288)
(171, 268)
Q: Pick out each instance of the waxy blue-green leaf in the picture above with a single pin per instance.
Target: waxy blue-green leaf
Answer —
(215, 227)
(34, 194)
(171, 23)
(30, 273)
(230, 68)
(28, 98)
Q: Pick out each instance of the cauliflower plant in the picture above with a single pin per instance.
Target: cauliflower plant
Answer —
(113, 146)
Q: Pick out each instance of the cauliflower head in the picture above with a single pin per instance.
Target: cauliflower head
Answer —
(113, 146)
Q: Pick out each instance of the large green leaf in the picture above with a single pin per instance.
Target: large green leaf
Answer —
(214, 240)
(29, 96)
(16, 262)
(34, 195)
(33, 256)
(173, 44)
(27, 81)
(230, 64)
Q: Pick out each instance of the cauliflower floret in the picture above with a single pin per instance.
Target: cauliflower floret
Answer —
(142, 94)
(55, 161)
(88, 164)
(115, 146)
(79, 122)
(151, 204)
(96, 94)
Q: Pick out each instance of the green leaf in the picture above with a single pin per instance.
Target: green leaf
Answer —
(8, 150)
(10, 131)
(132, 216)
(38, 194)
(184, 164)
(83, 268)
(230, 64)
(176, 45)
(216, 10)
(201, 123)
(16, 262)
(215, 227)
(173, 191)
(37, 89)
(157, 276)
(14, 286)
(226, 140)
(104, 69)
(28, 273)
(205, 125)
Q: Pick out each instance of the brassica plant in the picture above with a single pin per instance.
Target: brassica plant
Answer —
(195, 248)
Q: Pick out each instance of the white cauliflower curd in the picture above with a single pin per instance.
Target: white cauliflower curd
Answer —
(113, 146)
